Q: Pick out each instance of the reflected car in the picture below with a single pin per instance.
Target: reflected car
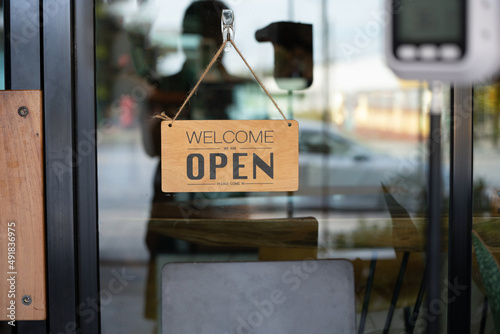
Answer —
(337, 172)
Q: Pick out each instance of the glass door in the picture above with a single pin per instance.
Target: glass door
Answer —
(363, 153)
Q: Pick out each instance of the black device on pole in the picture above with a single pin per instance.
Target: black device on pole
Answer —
(453, 41)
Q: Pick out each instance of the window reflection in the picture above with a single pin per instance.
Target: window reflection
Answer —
(361, 129)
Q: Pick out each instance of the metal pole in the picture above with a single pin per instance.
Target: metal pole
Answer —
(368, 292)
(435, 199)
(397, 290)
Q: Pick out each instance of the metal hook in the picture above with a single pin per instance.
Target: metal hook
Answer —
(227, 23)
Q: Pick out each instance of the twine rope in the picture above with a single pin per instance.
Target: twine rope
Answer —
(165, 117)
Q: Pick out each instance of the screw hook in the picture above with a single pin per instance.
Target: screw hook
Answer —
(227, 26)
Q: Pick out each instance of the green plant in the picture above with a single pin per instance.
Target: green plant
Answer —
(490, 275)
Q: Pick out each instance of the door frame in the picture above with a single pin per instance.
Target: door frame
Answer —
(50, 45)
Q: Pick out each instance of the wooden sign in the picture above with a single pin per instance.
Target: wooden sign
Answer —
(230, 156)
(22, 228)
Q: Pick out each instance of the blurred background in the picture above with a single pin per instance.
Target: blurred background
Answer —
(363, 152)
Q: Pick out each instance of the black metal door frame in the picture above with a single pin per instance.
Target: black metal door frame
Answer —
(50, 46)
(461, 210)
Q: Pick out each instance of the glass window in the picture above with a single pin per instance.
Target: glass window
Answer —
(362, 165)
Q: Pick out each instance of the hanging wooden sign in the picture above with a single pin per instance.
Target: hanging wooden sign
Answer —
(230, 156)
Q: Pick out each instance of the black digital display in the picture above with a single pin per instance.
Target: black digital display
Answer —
(429, 21)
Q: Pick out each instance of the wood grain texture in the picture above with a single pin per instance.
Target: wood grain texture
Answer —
(21, 202)
(276, 233)
(408, 235)
(287, 254)
(230, 156)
